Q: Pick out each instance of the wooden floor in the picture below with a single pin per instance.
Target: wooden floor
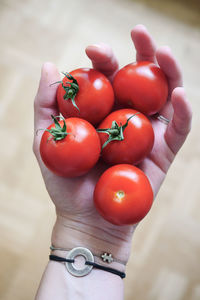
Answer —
(165, 260)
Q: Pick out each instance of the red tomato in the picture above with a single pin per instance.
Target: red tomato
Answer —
(73, 153)
(123, 195)
(138, 137)
(93, 98)
(142, 86)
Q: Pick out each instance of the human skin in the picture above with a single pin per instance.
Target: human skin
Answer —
(78, 223)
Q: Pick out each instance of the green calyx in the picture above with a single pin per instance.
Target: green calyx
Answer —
(71, 89)
(58, 133)
(116, 132)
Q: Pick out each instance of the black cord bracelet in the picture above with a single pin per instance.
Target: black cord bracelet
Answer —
(108, 269)
(95, 265)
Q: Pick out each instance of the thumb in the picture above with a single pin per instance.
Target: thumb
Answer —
(45, 103)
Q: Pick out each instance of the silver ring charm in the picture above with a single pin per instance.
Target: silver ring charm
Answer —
(79, 251)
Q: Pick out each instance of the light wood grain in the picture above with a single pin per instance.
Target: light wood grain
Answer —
(165, 257)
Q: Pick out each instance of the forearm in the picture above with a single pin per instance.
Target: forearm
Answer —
(57, 283)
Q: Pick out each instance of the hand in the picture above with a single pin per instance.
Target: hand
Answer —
(73, 197)
(168, 138)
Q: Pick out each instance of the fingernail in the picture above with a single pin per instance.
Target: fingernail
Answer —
(140, 26)
(167, 48)
(100, 49)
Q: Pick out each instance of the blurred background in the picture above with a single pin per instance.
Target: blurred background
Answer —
(165, 260)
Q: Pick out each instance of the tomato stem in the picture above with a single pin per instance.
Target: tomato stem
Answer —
(58, 132)
(115, 133)
(71, 89)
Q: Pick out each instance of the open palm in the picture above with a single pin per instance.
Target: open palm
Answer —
(73, 198)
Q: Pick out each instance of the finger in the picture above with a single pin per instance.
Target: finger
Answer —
(144, 44)
(172, 70)
(45, 101)
(170, 67)
(180, 125)
(103, 59)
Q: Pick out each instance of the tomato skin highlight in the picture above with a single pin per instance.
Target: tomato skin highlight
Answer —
(123, 195)
(138, 138)
(74, 155)
(142, 86)
(94, 99)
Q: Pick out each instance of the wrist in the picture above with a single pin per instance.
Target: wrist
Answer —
(69, 233)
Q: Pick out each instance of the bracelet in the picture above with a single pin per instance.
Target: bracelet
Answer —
(105, 256)
(89, 263)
